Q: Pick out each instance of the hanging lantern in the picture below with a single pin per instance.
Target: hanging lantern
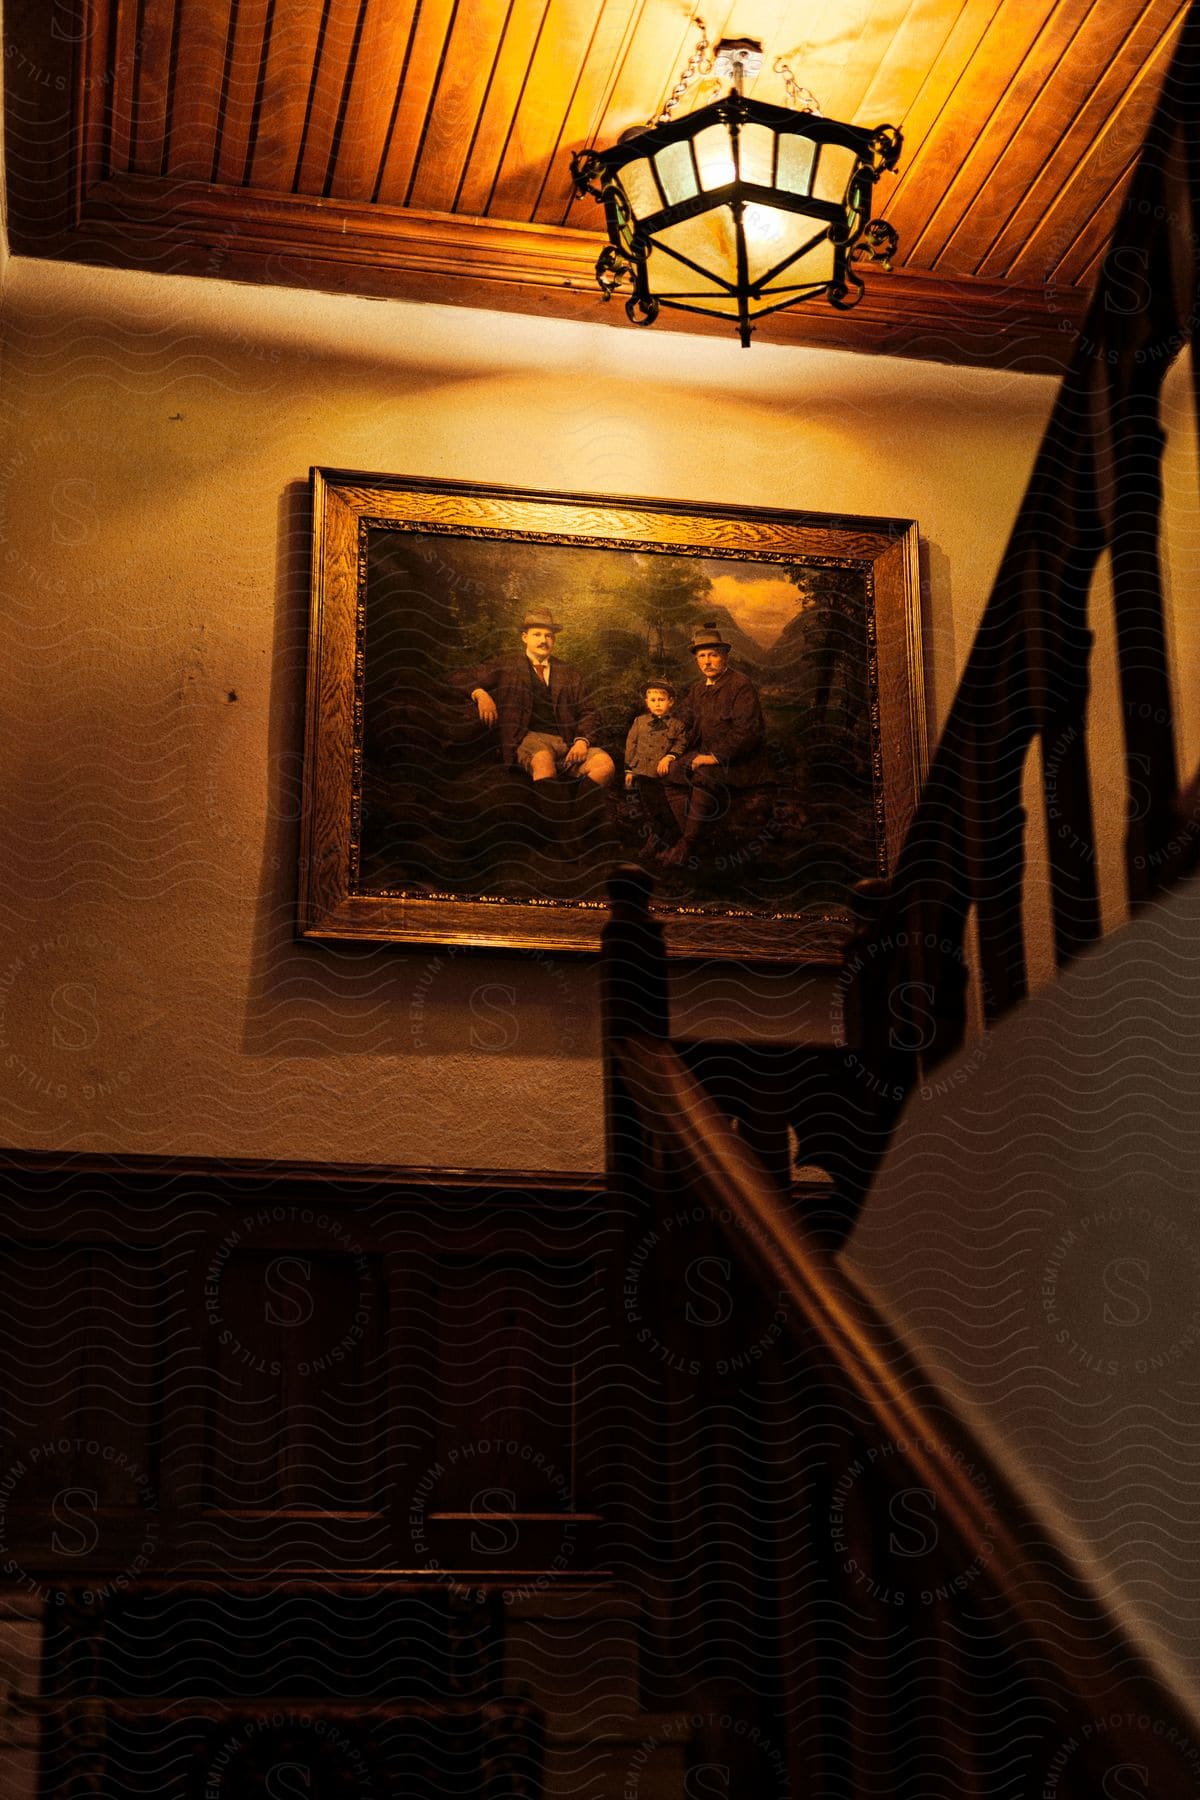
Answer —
(739, 209)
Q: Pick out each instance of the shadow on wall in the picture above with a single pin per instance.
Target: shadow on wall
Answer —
(331, 1000)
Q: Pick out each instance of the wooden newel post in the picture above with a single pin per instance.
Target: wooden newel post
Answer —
(633, 988)
(633, 960)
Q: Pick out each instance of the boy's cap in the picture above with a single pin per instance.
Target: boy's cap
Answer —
(542, 620)
(656, 681)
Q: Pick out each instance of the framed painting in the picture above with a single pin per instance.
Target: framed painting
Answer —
(511, 691)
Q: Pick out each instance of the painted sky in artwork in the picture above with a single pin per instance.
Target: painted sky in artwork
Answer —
(757, 598)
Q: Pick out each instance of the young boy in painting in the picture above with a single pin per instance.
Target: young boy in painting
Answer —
(655, 733)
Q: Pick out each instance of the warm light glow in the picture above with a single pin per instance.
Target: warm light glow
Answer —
(763, 223)
(716, 171)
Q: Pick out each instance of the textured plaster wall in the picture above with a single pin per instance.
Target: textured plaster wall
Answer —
(153, 554)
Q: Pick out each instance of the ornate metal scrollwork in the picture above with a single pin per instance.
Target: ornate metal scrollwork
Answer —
(641, 309)
(846, 293)
(878, 243)
(612, 268)
(586, 173)
(885, 149)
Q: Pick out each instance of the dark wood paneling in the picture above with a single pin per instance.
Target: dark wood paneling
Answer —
(81, 1352)
(239, 1367)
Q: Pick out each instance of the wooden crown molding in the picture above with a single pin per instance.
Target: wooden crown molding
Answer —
(165, 226)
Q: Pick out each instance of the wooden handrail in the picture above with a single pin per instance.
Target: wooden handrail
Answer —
(1080, 1640)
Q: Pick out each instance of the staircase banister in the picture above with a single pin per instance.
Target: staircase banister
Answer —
(1096, 487)
(1077, 1637)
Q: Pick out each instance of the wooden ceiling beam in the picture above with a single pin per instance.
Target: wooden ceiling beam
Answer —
(174, 227)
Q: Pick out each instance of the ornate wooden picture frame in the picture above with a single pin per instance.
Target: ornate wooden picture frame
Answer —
(794, 753)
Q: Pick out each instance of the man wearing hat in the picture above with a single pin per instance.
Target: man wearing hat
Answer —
(541, 708)
(722, 715)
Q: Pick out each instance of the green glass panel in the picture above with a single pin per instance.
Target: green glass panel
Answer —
(796, 155)
(640, 190)
(676, 173)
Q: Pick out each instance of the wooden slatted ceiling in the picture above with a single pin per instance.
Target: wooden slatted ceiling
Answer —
(1022, 118)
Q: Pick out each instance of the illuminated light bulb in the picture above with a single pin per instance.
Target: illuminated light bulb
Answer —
(717, 171)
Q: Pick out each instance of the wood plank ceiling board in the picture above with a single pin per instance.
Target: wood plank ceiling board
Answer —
(432, 25)
(420, 148)
(554, 73)
(920, 121)
(243, 84)
(371, 105)
(921, 39)
(841, 53)
(152, 85)
(583, 124)
(328, 96)
(1065, 173)
(607, 58)
(1017, 110)
(1050, 242)
(1066, 118)
(523, 29)
(111, 69)
(461, 90)
(196, 101)
(932, 162)
(296, 33)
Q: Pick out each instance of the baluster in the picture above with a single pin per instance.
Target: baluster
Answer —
(921, 932)
(967, 1648)
(633, 960)
(760, 1107)
(1070, 835)
(1150, 763)
(860, 1017)
(994, 827)
(1072, 539)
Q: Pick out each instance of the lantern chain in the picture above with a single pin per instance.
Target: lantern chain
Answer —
(699, 64)
(801, 99)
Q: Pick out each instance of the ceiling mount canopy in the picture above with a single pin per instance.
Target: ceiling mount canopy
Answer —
(741, 208)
